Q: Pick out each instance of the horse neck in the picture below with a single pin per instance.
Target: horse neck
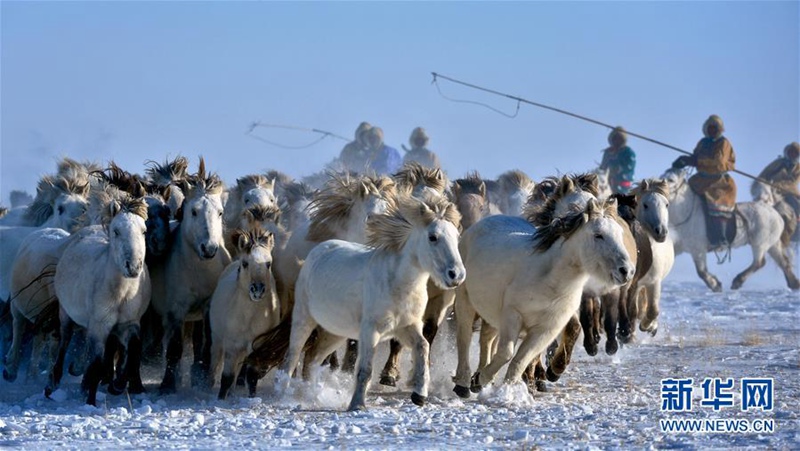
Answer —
(567, 264)
(685, 207)
(405, 267)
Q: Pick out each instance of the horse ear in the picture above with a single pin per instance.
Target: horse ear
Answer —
(567, 186)
(270, 240)
(113, 208)
(482, 189)
(241, 239)
(271, 185)
(456, 190)
(611, 206)
(438, 174)
(645, 185)
(201, 170)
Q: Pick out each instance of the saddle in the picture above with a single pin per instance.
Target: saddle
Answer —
(720, 230)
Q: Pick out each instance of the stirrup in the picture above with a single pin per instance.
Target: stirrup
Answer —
(725, 249)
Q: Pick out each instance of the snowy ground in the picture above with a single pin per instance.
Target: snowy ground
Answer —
(603, 402)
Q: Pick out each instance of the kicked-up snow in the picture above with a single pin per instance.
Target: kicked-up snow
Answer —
(608, 402)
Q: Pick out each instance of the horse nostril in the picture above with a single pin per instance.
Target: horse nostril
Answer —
(451, 274)
(623, 271)
(203, 248)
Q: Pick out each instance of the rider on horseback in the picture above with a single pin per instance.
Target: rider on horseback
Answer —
(784, 174)
(620, 161)
(714, 157)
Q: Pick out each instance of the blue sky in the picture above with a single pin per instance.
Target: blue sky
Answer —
(136, 81)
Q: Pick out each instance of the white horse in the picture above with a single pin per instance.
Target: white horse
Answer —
(603, 185)
(103, 285)
(530, 280)
(244, 305)
(757, 224)
(184, 282)
(375, 293)
(166, 178)
(514, 189)
(419, 181)
(250, 191)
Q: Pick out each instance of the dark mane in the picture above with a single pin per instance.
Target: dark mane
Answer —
(546, 235)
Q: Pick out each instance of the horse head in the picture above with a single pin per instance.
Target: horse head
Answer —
(516, 188)
(201, 213)
(652, 207)
(158, 232)
(603, 247)
(126, 234)
(254, 274)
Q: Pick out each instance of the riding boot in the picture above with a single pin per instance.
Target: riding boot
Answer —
(723, 232)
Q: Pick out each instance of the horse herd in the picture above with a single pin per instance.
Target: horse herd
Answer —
(115, 270)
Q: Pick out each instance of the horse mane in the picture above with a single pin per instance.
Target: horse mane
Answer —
(544, 213)
(332, 205)
(657, 186)
(108, 201)
(546, 235)
(513, 179)
(413, 174)
(294, 192)
(76, 171)
(48, 190)
(391, 230)
(124, 180)
(278, 177)
(471, 184)
(626, 206)
(588, 182)
(247, 240)
(261, 214)
(201, 184)
(168, 173)
(253, 181)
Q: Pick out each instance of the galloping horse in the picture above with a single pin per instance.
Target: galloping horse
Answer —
(379, 291)
(757, 224)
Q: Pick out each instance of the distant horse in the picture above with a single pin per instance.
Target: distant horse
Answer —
(469, 195)
(526, 280)
(603, 185)
(419, 181)
(294, 202)
(250, 191)
(513, 189)
(184, 282)
(757, 224)
(374, 293)
(103, 285)
(244, 305)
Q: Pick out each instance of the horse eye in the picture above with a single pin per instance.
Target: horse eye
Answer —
(598, 236)
(116, 232)
(244, 265)
(646, 207)
(220, 214)
(667, 204)
(269, 265)
(433, 238)
(194, 212)
(61, 209)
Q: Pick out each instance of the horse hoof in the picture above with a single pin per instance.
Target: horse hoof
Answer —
(717, 288)
(49, 391)
(461, 391)
(611, 347)
(591, 349)
(418, 399)
(625, 337)
(356, 407)
(9, 376)
(167, 390)
(136, 389)
(388, 381)
(475, 386)
(551, 375)
(541, 386)
(74, 370)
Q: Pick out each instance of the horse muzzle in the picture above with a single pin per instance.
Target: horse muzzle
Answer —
(660, 234)
(257, 291)
(454, 277)
(133, 270)
(623, 274)
(207, 252)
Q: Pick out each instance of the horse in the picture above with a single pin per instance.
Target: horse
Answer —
(377, 291)
(416, 180)
(166, 178)
(185, 280)
(250, 191)
(526, 280)
(603, 185)
(469, 195)
(244, 305)
(103, 285)
(757, 224)
(512, 191)
(294, 201)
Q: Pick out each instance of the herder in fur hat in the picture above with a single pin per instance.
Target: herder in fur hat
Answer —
(620, 161)
(419, 151)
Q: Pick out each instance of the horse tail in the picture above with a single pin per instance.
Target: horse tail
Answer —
(270, 348)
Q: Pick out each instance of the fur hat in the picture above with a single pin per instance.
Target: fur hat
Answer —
(362, 127)
(617, 131)
(374, 133)
(418, 138)
(792, 151)
(713, 119)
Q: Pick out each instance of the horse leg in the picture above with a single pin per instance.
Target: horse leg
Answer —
(113, 347)
(233, 364)
(509, 334)
(559, 362)
(64, 337)
(465, 316)
(586, 316)
(202, 352)
(779, 255)
(367, 340)
(80, 353)
(91, 379)
(350, 355)
(535, 375)
(14, 354)
(488, 344)
(702, 270)
(390, 373)
(173, 336)
(133, 367)
(650, 321)
(326, 343)
(414, 337)
(302, 327)
(251, 378)
(758, 262)
(628, 314)
(611, 311)
(534, 343)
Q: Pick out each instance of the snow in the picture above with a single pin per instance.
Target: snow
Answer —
(600, 402)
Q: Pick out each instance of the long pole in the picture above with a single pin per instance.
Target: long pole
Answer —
(588, 119)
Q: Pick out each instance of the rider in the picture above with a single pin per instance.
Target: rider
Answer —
(419, 151)
(381, 158)
(714, 157)
(620, 161)
(784, 174)
(354, 154)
